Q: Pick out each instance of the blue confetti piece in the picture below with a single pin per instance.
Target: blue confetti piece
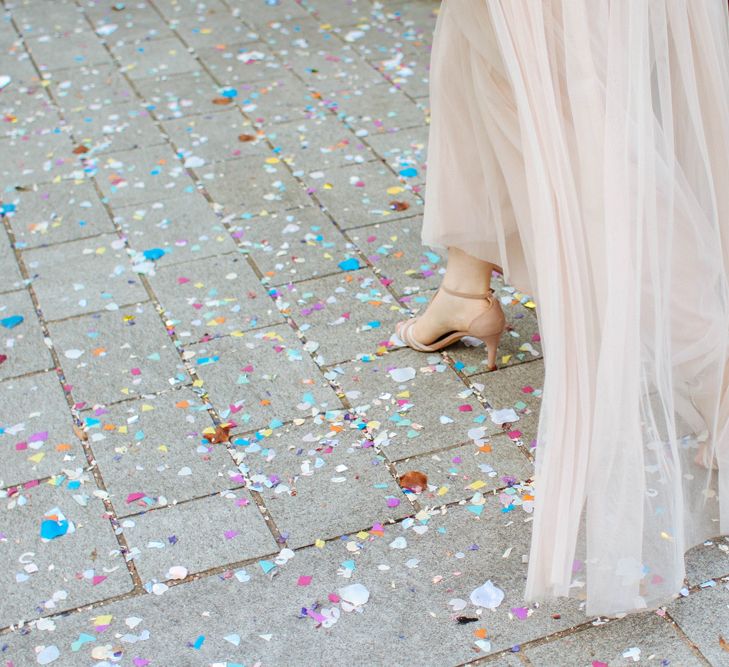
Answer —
(12, 321)
(409, 172)
(50, 529)
(375, 324)
(459, 365)
(350, 264)
(7, 208)
(476, 509)
(153, 253)
(266, 566)
(199, 642)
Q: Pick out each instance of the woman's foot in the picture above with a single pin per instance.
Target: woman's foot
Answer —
(702, 457)
(445, 313)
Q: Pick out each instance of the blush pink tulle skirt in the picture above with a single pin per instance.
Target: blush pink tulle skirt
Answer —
(583, 146)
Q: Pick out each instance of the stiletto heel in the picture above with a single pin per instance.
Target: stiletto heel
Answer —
(492, 346)
(488, 327)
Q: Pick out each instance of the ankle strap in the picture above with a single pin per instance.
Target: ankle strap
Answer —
(467, 296)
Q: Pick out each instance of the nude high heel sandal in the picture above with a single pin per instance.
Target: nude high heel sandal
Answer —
(488, 326)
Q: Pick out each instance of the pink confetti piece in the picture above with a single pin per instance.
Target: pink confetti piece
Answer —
(304, 580)
(520, 612)
(97, 579)
(230, 534)
(465, 408)
(392, 501)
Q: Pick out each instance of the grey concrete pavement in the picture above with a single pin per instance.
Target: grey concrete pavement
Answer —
(211, 214)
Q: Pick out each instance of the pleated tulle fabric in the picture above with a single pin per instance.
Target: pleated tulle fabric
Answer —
(582, 145)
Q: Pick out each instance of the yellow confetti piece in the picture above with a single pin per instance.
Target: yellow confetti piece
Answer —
(404, 394)
(100, 251)
(530, 304)
(125, 391)
(123, 429)
(372, 425)
(163, 448)
(363, 534)
(327, 186)
(505, 358)
(102, 620)
(197, 383)
(478, 484)
(36, 458)
(320, 544)
(442, 490)
(146, 407)
(272, 160)
(666, 536)
(396, 189)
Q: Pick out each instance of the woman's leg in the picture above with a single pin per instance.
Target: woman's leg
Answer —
(446, 312)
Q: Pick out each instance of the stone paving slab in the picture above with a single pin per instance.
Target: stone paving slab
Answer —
(704, 618)
(214, 137)
(166, 56)
(357, 196)
(209, 28)
(128, 22)
(36, 430)
(519, 388)
(647, 637)
(404, 151)
(55, 212)
(281, 99)
(79, 563)
(319, 481)
(209, 298)
(79, 89)
(83, 276)
(260, 377)
(232, 529)
(142, 175)
(394, 248)
(174, 9)
(80, 48)
(110, 356)
(180, 95)
(22, 348)
(155, 447)
(242, 187)
(458, 473)
(319, 143)
(58, 17)
(708, 561)
(294, 246)
(185, 228)
(350, 315)
(430, 412)
(119, 127)
(239, 62)
(36, 156)
(379, 110)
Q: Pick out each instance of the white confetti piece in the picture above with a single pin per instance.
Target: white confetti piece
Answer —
(402, 374)
(73, 354)
(4, 81)
(194, 161)
(47, 654)
(159, 589)
(177, 572)
(398, 543)
(456, 604)
(488, 596)
(233, 639)
(504, 416)
(353, 596)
